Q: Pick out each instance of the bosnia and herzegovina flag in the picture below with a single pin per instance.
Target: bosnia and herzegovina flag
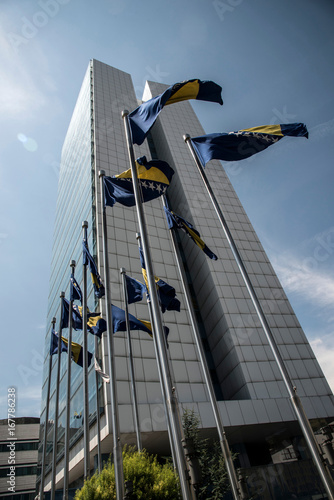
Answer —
(176, 221)
(87, 259)
(166, 293)
(244, 143)
(76, 349)
(95, 323)
(77, 353)
(143, 117)
(154, 178)
(119, 322)
(54, 344)
(75, 290)
(135, 289)
(65, 313)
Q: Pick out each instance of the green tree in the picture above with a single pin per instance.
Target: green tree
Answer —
(214, 483)
(150, 479)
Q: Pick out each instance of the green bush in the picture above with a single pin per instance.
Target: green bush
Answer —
(150, 479)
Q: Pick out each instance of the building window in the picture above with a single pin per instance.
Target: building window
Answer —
(288, 454)
(29, 470)
(20, 446)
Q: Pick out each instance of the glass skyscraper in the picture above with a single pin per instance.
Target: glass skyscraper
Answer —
(253, 400)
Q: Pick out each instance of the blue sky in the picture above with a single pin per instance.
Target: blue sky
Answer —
(274, 61)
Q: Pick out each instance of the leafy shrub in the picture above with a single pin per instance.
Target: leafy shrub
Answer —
(151, 480)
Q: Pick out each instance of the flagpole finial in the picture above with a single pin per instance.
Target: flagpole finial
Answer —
(85, 223)
(186, 137)
(137, 236)
(125, 112)
(53, 321)
(73, 263)
(62, 295)
(122, 270)
(102, 173)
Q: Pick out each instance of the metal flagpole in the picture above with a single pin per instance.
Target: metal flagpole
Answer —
(45, 437)
(292, 391)
(164, 398)
(68, 397)
(157, 321)
(117, 450)
(221, 431)
(85, 362)
(55, 427)
(132, 371)
(98, 424)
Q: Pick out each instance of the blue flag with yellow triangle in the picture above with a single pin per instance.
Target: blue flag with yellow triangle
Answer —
(154, 178)
(65, 314)
(143, 118)
(135, 289)
(119, 322)
(76, 349)
(234, 146)
(95, 323)
(166, 293)
(87, 259)
(75, 290)
(176, 221)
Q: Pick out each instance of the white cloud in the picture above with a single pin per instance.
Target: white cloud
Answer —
(312, 285)
(315, 288)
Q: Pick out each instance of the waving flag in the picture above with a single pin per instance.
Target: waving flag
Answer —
(76, 318)
(166, 293)
(135, 289)
(143, 117)
(154, 178)
(102, 374)
(95, 323)
(54, 344)
(119, 323)
(176, 221)
(243, 143)
(76, 349)
(87, 259)
(75, 290)
(77, 353)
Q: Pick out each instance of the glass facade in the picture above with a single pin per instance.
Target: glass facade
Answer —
(75, 204)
